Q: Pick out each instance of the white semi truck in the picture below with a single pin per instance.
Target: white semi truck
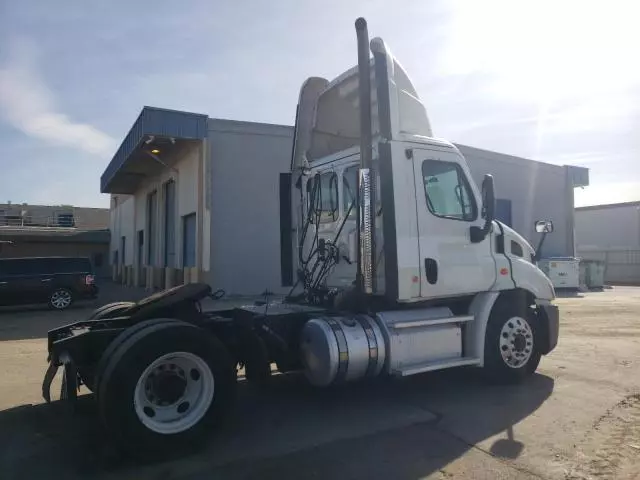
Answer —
(396, 262)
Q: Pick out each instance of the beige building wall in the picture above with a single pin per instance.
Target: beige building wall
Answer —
(129, 216)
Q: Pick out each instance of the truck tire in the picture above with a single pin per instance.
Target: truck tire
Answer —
(164, 388)
(510, 353)
(110, 310)
(94, 383)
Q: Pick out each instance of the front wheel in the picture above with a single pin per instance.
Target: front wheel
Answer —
(164, 388)
(510, 352)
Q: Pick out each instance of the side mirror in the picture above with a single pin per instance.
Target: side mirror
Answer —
(488, 199)
(544, 226)
(488, 210)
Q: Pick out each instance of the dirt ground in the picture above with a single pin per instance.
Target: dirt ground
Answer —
(577, 418)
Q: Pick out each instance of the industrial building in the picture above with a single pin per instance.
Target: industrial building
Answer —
(605, 226)
(611, 234)
(195, 198)
(56, 230)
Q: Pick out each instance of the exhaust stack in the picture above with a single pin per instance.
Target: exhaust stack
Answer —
(366, 181)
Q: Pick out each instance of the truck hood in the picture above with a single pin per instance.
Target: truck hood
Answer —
(526, 274)
(511, 234)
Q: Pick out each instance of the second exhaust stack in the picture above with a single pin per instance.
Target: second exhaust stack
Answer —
(365, 212)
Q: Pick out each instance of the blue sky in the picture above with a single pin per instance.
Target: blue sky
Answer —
(556, 80)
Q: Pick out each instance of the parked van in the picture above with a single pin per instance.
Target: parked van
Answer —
(58, 281)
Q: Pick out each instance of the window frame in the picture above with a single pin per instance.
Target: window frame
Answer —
(461, 174)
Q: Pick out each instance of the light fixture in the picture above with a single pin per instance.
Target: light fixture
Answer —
(155, 151)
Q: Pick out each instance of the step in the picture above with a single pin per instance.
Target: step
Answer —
(438, 365)
(429, 322)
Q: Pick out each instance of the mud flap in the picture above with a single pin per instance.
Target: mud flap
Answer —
(549, 327)
(69, 388)
(48, 378)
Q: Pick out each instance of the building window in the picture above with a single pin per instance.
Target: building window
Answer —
(447, 191)
(66, 220)
(503, 211)
(189, 240)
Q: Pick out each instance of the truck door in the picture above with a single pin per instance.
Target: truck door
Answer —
(447, 205)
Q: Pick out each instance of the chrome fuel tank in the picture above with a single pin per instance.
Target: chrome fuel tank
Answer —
(339, 349)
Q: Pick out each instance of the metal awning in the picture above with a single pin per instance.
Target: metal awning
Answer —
(155, 128)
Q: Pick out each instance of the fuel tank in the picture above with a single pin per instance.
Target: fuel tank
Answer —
(346, 348)
(342, 349)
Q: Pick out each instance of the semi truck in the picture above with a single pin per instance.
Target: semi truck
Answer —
(396, 265)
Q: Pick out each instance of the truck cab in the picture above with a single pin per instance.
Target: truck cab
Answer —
(432, 227)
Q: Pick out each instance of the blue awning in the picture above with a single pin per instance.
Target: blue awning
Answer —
(156, 122)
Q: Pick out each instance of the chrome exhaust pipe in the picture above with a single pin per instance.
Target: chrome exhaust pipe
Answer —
(365, 211)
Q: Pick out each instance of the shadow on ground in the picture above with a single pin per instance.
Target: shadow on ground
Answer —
(399, 429)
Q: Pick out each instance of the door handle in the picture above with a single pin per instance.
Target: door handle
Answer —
(45, 280)
(431, 270)
(3, 283)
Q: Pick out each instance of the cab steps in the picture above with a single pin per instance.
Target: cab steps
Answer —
(437, 365)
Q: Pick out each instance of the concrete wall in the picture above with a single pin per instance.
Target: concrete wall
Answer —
(130, 214)
(121, 224)
(537, 191)
(243, 167)
(608, 226)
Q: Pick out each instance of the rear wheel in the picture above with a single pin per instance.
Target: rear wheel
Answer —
(165, 387)
(60, 299)
(92, 381)
(510, 353)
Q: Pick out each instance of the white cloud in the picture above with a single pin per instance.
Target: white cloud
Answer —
(28, 105)
(614, 192)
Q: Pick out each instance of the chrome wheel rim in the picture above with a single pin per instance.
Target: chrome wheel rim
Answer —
(61, 299)
(516, 342)
(174, 393)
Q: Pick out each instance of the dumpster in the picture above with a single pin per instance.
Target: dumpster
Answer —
(564, 272)
(593, 273)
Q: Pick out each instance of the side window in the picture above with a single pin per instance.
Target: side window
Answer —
(7, 267)
(447, 191)
(15, 267)
(516, 249)
(326, 197)
(349, 190)
(47, 266)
